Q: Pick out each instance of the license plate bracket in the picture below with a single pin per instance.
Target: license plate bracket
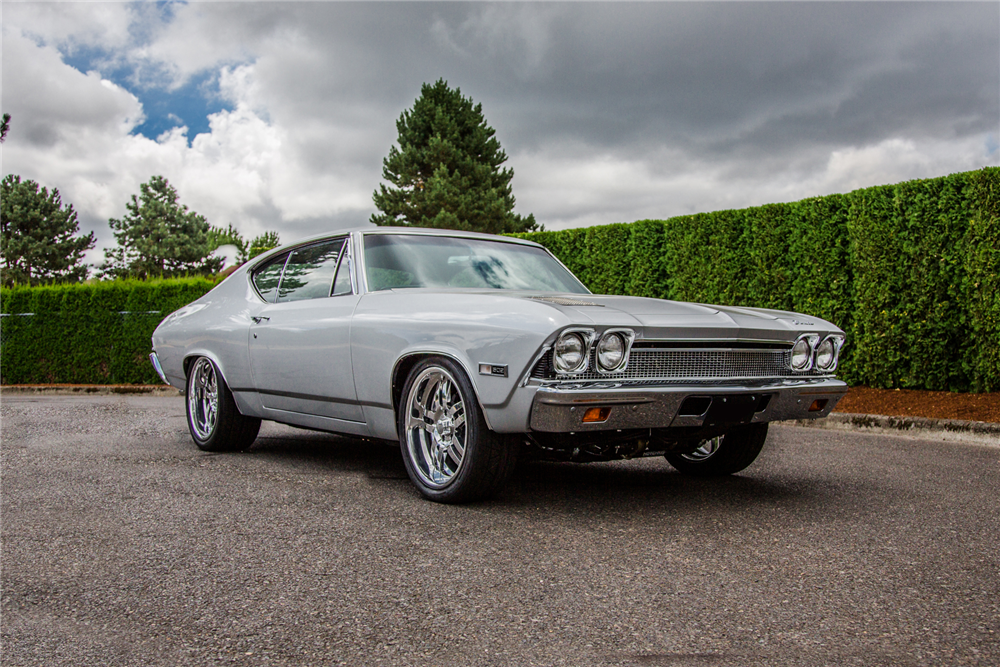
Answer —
(731, 409)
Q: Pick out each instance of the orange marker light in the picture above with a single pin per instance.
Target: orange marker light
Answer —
(596, 415)
(818, 405)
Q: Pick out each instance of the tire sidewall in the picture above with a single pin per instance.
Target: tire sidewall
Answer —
(211, 443)
(475, 427)
(738, 449)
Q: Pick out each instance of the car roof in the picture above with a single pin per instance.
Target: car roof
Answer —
(373, 230)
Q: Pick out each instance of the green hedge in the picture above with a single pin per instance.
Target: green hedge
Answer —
(910, 271)
(94, 333)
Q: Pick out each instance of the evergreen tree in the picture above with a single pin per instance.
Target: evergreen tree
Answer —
(219, 237)
(38, 237)
(159, 237)
(4, 126)
(263, 243)
(447, 170)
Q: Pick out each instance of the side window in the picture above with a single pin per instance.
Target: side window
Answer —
(309, 272)
(342, 284)
(266, 278)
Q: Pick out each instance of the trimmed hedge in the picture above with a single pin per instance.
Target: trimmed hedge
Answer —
(910, 271)
(94, 333)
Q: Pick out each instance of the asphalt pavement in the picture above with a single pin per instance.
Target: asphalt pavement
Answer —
(123, 544)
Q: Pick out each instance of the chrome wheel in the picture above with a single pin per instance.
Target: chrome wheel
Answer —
(435, 427)
(203, 399)
(706, 449)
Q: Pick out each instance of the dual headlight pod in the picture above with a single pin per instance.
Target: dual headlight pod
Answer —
(811, 351)
(571, 352)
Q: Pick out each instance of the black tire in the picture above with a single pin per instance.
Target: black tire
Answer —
(214, 421)
(450, 453)
(725, 455)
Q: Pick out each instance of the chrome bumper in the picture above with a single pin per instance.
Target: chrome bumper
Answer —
(561, 410)
(159, 369)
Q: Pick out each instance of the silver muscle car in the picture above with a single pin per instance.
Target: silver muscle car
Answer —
(471, 350)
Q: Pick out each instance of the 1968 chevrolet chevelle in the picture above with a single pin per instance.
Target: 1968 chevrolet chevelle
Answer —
(472, 350)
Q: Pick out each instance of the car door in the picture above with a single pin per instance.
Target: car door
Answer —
(300, 353)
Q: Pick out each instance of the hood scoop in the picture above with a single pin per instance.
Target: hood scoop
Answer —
(565, 301)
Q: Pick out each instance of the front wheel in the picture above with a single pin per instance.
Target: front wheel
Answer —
(724, 454)
(450, 453)
(215, 422)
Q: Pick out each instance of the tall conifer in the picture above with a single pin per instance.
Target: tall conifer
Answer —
(39, 239)
(159, 237)
(447, 171)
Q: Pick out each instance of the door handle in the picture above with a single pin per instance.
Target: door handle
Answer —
(256, 320)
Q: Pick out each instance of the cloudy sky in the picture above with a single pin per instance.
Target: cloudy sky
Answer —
(277, 115)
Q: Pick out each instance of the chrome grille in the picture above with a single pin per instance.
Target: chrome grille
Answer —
(671, 365)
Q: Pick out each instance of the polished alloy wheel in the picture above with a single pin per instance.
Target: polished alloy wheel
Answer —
(203, 399)
(436, 427)
(706, 448)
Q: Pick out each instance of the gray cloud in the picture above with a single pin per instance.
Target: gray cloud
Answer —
(608, 111)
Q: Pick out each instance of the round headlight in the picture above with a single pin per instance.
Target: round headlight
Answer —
(801, 354)
(611, 352)
(825, 355)
(570, 353)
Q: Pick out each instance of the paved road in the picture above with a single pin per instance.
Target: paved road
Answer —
(125, 545)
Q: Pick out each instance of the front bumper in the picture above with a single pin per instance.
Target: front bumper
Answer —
(561, 409)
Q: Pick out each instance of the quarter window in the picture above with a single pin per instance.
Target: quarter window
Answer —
(309, 272)
(266, 279)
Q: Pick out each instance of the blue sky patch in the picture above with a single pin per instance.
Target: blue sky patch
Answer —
(190, 105)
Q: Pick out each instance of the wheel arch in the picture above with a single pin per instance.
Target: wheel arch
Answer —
(401, 371)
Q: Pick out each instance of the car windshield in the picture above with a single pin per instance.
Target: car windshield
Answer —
(403, 260)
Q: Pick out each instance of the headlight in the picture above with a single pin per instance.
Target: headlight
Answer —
(828, 353)
(611, 352)
(825, 354)
(802, 354)
(570, 352)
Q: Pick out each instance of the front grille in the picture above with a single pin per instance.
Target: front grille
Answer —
(659, 364)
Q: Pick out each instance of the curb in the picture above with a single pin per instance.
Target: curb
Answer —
(946, 430)
(90, 389)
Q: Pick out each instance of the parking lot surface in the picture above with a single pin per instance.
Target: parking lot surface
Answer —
(123, 544)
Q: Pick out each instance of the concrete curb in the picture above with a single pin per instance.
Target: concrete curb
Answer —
(89, 389)
(947, 430)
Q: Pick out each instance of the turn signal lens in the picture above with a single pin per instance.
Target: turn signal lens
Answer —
(596, 415)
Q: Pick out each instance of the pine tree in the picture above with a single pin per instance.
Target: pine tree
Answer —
(219, 237)
(263, 243)
(38, 237)
(447, 170)
(159, 237)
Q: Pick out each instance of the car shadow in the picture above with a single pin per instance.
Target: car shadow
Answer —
(646, 484)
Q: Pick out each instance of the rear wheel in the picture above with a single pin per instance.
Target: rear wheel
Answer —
(450, 453)
(722, 455)
(215, 422)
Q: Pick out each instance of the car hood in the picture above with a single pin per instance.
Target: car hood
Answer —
(653, 319)
(660, 318)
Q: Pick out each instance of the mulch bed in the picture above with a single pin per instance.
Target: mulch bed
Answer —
(859, 400)
(914, 403)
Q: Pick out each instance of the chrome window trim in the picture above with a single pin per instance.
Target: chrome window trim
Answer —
(257, 268)
(258, 265)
